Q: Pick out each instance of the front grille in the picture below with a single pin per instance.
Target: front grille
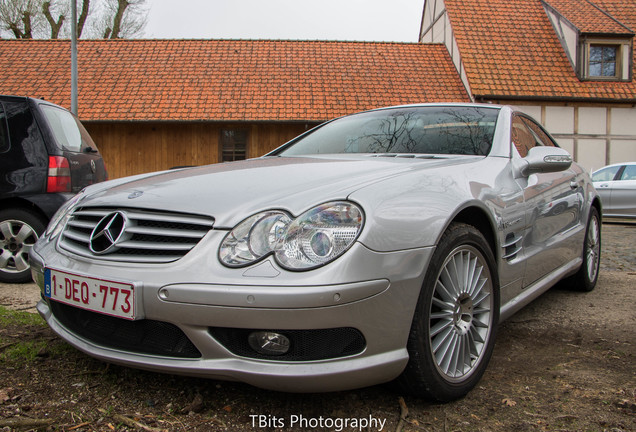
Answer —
(305, 345)
(143, 336)
(147, 237)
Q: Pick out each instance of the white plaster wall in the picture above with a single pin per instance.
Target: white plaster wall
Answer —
(531, 110)
(456, 57)
(622, 151)
(566, 144)
(571, 40)
(591, 154)
(592, 121)
(559, 120)
(438, 31)
(427, 19)
(626, 62)
(623, 121)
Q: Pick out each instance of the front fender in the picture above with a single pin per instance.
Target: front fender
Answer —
(414, 210)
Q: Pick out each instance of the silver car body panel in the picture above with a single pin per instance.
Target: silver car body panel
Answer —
(537, 224)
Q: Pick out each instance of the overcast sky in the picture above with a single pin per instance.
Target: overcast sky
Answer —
(368, 20)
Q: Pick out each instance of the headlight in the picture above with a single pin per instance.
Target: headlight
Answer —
(62, 215)
(315, 238)
(253, 238)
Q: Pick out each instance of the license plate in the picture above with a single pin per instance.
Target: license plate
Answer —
(97, 295)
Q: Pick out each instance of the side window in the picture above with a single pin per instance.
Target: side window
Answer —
(233, 144)
(606, 174)
(629, 173)
(522, 138)
(543, 138)
(4, 131)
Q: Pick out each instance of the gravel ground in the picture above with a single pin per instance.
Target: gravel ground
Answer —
(566, 362)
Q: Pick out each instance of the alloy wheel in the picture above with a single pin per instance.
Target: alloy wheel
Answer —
(461, 313)
(16, 241)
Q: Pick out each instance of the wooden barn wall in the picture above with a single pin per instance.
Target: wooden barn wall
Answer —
(135, 148)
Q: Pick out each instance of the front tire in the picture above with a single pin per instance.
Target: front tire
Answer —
(19, 230)
(455, 323)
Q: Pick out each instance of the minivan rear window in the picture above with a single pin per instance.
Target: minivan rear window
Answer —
(68, 132)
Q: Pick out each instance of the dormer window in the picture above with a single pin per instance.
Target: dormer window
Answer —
(605, 60)
(602, 63)
(598, 46)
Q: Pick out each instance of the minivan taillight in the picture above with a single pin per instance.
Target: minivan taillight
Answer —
(59, 175)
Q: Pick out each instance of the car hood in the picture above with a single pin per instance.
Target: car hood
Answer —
(230, 192)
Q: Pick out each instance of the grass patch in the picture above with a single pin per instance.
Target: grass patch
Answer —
(23, 351)
(22, 344)
(10, 317)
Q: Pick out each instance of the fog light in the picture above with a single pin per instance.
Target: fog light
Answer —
(269, 343)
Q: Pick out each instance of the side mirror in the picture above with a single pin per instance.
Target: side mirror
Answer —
(543, 159)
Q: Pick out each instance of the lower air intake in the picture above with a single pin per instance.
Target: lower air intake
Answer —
(143, 336)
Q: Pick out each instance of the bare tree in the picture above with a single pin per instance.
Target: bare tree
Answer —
(56, 26)
(82, 17)
(124, 18)
(19, 17)
(114, 19)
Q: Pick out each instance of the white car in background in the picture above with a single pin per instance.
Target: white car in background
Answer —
(616, 184)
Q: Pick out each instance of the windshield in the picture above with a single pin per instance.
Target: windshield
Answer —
(69, 133)
(427, 130)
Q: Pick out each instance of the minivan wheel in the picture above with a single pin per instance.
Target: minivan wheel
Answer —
(19, 230)
(455, 322)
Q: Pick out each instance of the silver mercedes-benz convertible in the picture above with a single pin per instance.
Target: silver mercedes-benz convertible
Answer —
(381, 246)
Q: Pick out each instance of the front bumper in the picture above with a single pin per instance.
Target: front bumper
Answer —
(373, 293)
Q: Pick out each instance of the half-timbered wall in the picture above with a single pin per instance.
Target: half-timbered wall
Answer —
(595, 134)
(436, 28)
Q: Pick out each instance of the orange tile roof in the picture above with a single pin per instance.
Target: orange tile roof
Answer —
(229, 80)
(510, 49)
(588, 17)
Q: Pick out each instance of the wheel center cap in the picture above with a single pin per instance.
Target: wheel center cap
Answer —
(463, 314)
(13, 245)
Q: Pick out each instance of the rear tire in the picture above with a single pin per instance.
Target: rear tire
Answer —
(19, 230)
(586, 277)
(455, 323)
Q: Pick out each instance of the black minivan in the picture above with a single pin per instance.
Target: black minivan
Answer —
(46, 156)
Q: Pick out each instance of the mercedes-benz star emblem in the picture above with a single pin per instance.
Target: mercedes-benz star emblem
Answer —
(107, 233)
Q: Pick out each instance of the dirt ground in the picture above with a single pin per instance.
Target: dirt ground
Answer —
(567, 362)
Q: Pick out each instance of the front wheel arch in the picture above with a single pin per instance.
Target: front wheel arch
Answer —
(446, 323)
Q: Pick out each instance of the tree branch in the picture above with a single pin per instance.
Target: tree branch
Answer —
(82, 17)
(119, 16)
(55, 26)
(26, 20)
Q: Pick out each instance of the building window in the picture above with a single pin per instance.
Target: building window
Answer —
(233, 145)
(603, 61)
